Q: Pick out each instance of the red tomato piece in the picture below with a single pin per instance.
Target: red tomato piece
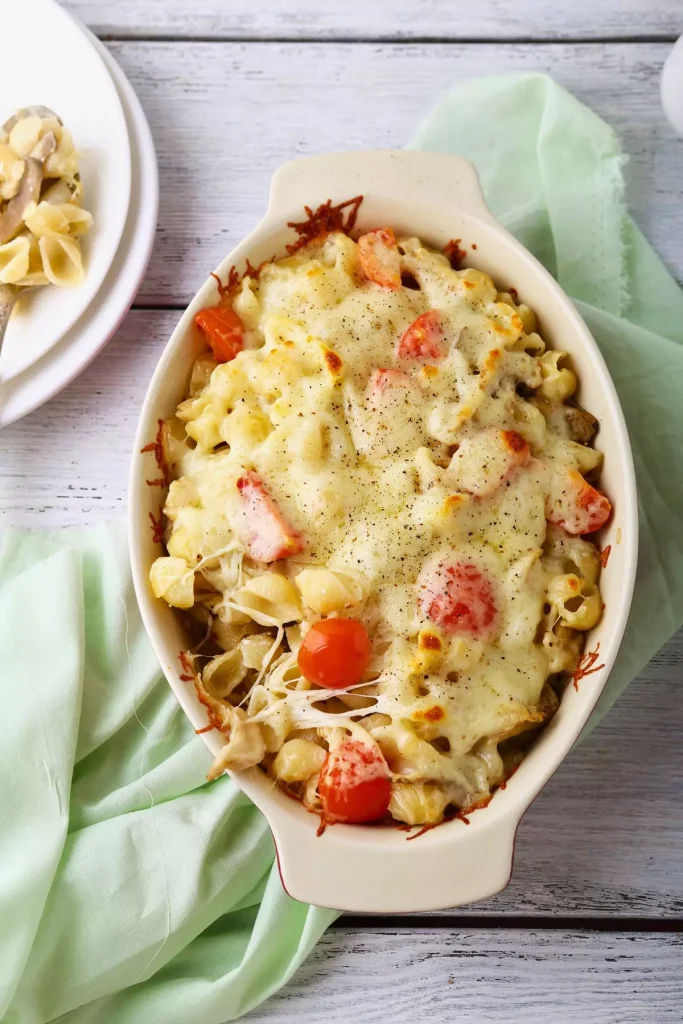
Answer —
(335, 653)
(575, 505)
(459, 597)
(425, 339)
(354, 783)
(223, 330)
(268, 535)
(379, 257)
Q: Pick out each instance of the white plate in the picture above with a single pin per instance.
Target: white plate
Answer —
(81, 344)
(48, 60)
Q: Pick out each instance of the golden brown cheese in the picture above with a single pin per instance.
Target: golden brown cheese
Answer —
(385, 464)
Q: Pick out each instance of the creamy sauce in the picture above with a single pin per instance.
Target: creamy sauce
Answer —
(380, 475)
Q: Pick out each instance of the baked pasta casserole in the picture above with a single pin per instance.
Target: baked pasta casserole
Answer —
(378, 527)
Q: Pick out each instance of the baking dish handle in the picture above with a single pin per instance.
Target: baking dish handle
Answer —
(363, 870)
(406, 176)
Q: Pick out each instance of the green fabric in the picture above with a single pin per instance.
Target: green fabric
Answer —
(128, 886)
(551, 172)
(118, 862)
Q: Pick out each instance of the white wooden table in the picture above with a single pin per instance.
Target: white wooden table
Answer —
(590, 927)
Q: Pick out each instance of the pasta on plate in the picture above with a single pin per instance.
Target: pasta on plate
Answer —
(378, 527)
(41, 217)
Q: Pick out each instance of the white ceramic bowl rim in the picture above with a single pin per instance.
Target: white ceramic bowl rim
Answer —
(374, 869)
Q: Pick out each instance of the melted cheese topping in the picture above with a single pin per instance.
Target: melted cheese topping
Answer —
(384, 464)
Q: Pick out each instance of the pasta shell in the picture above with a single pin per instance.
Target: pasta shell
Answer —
(269, 599)
(59, 192)
(35, 274)
(297, 760)
(48, 219)
(45, 219)
(80, 221)
(223, 673)
(25, 135)
(11, 170)
(62, 260)
(172, 580)
(14, 259)
(63, 163)
(325, 591)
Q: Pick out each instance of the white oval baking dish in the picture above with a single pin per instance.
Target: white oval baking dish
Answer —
(376, 869)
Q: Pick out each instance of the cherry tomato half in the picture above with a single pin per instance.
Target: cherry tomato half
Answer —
(335, 653)
(223, 330)
(354, 783)
(597, 507)
(459, 597)
(379, 257)
(425, 339)
(575, 505)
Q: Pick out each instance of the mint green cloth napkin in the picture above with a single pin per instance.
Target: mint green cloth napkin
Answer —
(552, 173)
(128, 886)
(118, 862)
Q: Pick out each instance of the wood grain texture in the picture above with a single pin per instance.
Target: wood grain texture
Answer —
(224, 116)
(355, 19)
(578, 852)
(476, 976)
(603, 840)
(67, 463)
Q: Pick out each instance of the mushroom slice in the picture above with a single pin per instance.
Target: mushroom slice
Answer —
(44, 147)
(12, 217)
(582, 425)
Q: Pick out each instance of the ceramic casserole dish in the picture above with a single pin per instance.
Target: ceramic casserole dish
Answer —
(375, 869)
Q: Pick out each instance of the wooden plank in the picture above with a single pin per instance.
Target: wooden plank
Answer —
(224, 116)
(354, 19)
(604, 837)
(499, 976)
(67, 463)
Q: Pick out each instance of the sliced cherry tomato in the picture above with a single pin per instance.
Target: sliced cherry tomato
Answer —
(268, 535)
(354, 783)
(335, 653)
(379, 257)
(223, 330)
(459, 597)
(575, 505)
(425, 339)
